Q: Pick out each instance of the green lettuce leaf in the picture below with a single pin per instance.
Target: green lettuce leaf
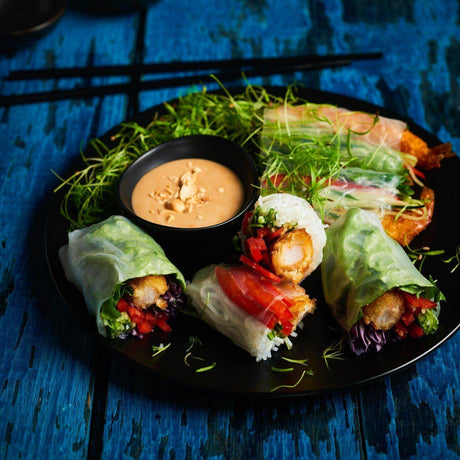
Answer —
(100, 258)
(361, 262)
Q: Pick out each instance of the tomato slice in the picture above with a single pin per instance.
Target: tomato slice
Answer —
(233, 286)
(255, 295)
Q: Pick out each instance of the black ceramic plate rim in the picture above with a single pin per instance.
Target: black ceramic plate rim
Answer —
(300, 390)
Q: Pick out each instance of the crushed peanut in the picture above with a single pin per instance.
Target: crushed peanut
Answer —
(186, 192)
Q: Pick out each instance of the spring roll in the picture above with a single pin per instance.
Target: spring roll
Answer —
(128, 283)
(254, 313)
(371, 286)
(284, 235)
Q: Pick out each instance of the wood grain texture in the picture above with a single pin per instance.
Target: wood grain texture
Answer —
(150, 419)
(47, 365)
(61, 395)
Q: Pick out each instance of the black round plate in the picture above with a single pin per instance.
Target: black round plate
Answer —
(235, 371)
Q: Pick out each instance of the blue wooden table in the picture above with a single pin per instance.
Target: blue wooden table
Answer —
(61, 394)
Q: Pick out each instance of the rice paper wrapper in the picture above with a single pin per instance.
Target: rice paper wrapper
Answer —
(106, 254)
(361, 262)
(293, 209)
(222, 314)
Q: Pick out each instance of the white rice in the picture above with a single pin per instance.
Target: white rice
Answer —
(293, 209)
(217, 310)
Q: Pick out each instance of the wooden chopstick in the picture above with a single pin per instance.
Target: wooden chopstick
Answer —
(135, 87)
(225, 64)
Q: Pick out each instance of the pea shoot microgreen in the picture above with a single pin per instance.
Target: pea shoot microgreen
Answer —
(90, 193)
(333, 351)
(419, 256)
(302, 362)
(282, 369)
(188, 355)
(206, 368)
(304, 373)
(192, 341)
(455, 258)
(159, 349)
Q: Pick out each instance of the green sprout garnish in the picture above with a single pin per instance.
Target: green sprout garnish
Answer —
(159, 349)
(189, 355)
(333, 351)
(192, 341)
(282, 369)
(454, 258)
(205, 369)
(418, 256)
(302, 362)
(91, 192)
(304, 373)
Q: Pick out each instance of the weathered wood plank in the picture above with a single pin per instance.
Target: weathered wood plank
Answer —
(47, 365)
(152, 419)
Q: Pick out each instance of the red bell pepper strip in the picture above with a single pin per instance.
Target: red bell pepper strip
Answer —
(262, 232)
(418, 173)
(122, 305)
(258, 268)
(418, 302)
(274, 234)
(407, 318)
(415, 331)
(271, 300)
(245, 224)
(252, 250)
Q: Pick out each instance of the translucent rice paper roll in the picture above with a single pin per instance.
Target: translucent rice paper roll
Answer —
(318, 118)
(249, 324)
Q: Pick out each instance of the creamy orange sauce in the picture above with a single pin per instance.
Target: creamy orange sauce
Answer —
(188, 193)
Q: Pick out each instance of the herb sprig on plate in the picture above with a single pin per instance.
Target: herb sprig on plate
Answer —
(90, 193)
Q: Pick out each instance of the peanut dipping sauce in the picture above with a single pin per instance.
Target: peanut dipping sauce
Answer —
(188, 193)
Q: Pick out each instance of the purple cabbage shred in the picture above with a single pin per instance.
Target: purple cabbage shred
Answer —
(363, 338)
(175, 298)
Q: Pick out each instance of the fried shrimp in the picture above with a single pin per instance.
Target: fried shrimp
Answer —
(405, 227)
(426, 158)
(292, 255)
(385, 311)
(148, 290)
(303, 303)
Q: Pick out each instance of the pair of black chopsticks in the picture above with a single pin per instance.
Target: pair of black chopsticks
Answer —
(227, 71)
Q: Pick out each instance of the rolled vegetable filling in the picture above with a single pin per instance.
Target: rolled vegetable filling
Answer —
(282, 238)
(140, 305)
